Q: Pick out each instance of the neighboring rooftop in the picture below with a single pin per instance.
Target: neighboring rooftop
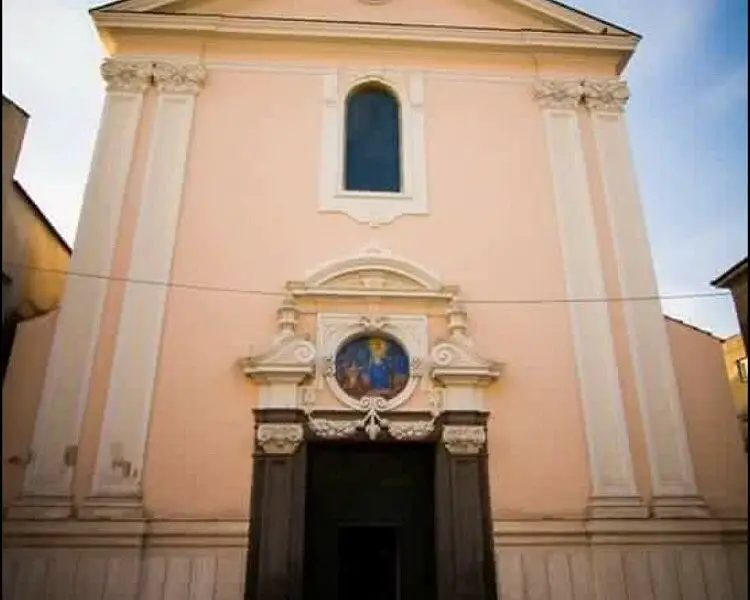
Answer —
(7, 100)
(725, 279)
(694, 328)
(42, 217)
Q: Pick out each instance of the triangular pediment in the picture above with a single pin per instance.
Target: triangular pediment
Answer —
(503, 15)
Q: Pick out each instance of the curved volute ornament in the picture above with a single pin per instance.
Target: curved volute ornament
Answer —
(126, 75)
(291, 358)
(454, 360)
(609, 95)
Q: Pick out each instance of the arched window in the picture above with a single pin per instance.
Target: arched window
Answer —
(372, 159)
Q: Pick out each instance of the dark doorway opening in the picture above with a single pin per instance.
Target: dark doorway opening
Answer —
(368, 554)
(370, 515)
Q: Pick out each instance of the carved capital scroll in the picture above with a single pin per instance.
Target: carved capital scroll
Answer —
(126, 76)
(464, 439)
(606, 95)
(179, 79)
(558, 93)
(280, 438)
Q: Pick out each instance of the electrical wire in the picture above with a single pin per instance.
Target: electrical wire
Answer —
(257, 292)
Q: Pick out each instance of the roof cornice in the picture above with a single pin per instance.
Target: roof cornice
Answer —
(310, 28)
(727, 277)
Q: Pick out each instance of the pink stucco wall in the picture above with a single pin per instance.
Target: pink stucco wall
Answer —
(249, 221)
(247, 224)
(712, 427)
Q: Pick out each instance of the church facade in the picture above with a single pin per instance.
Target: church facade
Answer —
(365, 308)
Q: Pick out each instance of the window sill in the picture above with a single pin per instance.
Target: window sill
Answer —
(374, 208)
(354, 195)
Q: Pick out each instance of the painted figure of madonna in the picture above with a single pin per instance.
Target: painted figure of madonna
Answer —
(372, 366)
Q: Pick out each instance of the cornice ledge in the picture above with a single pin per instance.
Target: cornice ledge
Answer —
(298, 289)
(360, 30)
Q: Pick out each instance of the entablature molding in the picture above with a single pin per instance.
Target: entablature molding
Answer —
(523, 40)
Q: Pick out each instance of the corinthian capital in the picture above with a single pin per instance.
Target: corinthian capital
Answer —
(179, 79)
(558, 93)
(279, 438)
(606, 95)
(126, 76)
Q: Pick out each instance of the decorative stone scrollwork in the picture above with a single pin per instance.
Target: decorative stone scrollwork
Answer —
(291, 359)
(373, 422)
(333, 430)
(126, 76)
(606, 95)
(179, 79)
(464, 439)
(455, 360)
(279, 438)
(558, 93)
(411, 430)
(137, 76)
(597, 94)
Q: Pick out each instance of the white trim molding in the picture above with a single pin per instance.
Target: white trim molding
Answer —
(66, 385)
(119, 470)
(372, 273)
(374, 208)
(614, 492)
(672, 475)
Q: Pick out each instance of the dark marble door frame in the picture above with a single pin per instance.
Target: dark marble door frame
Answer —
(463, 525)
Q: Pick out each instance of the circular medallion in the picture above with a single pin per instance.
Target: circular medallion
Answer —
(372, 365)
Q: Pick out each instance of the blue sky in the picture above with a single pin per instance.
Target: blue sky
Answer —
(687, 117)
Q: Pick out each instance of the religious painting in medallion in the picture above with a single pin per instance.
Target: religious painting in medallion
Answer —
(372, 366)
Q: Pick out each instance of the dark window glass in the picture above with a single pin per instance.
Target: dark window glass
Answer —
(372, 160)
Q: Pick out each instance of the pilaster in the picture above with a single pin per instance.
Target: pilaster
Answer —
(613, 488)
(47, 488)
(119, 470)
(672, 475)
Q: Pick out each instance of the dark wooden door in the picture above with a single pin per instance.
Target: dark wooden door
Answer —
(370, 522)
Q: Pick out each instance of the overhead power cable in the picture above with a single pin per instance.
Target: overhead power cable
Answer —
(256, 292)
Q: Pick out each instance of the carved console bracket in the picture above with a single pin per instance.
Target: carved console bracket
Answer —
(279, 438)
(464, 439)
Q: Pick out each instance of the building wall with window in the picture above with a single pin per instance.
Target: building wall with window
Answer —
(240, 232)
(734, 279)
(735, 359)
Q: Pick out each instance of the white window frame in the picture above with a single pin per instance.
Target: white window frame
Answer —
(374, 208)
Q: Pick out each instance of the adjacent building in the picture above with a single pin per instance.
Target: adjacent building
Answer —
(735, 359)
(349, 334)
(735, 280)
(35, 261)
